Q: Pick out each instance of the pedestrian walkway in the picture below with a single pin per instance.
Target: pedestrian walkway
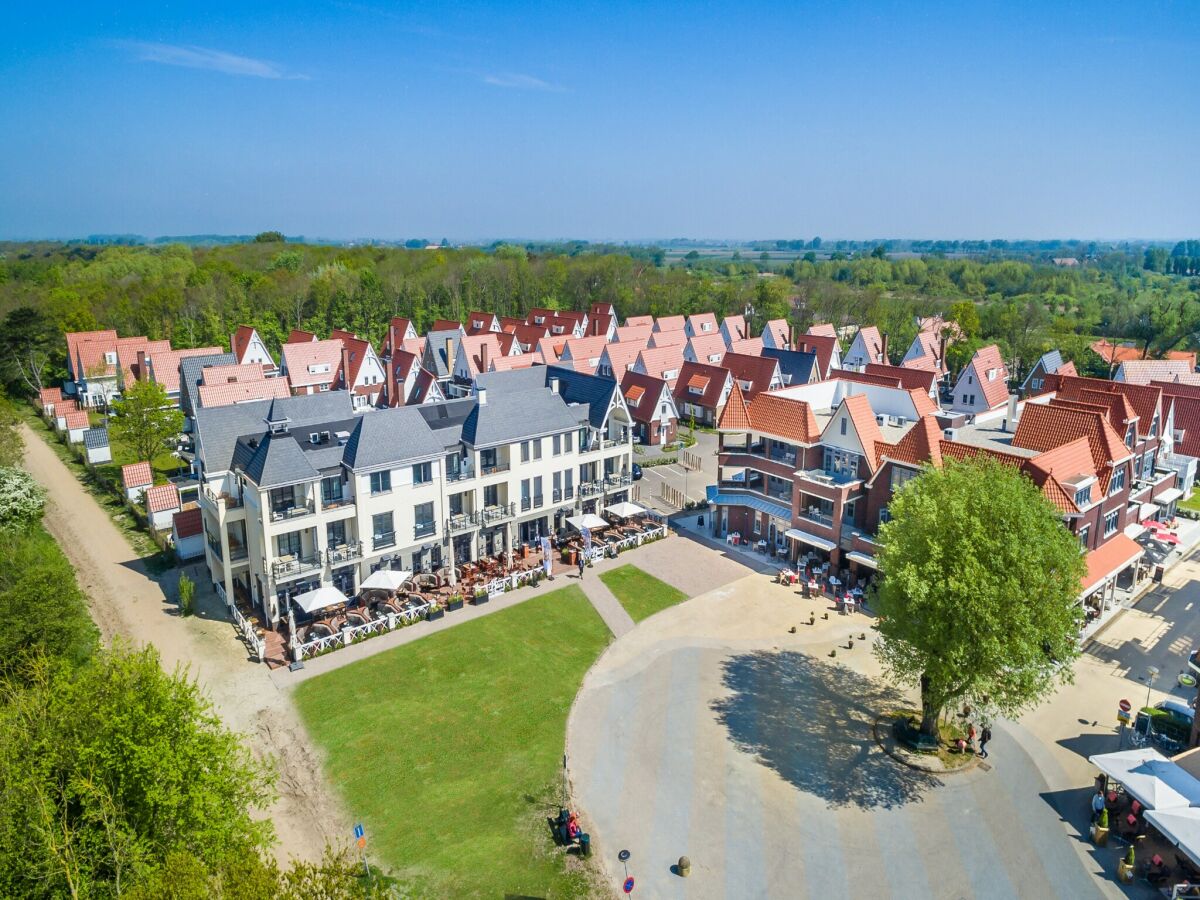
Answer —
(619, 622)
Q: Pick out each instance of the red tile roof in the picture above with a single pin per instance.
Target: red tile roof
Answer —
(50, 397)
(638, 334)
(447, 325)
(736, 327)
(76, 338)
(824, 329)
(621, 355)
(758, 371)
(162, 497)
(76, 419)
(296, 336)
(1044, 427)
(642, 394)
(995, 390)
(187, 523)
(239, 343)
(774, 414)
(667, 323)
(599, 324)
(707, 346)
(873, 343)
(779, 330)
(662, 362)
(229, 393)
(863, 378)
(1146, 400)
(863, 418)
(640, 320)
(585, 353)
(138, 474)
(920, 444)
(1109, 559)
(164, 366)
(676, 337)
(714, 378)
(298, 357)
(747, 346)
(823, 346)
(232, 374)
(697, 321)
(395, 337)
(1115, 353)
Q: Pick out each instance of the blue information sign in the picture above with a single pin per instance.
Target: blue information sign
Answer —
(359, 831)
(627, 887)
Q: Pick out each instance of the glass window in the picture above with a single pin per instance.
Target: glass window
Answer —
(1117, 483)
(537, 491)
(423, 519)
(568, 442)
(331, 491)
(1083, 496)
(556, 444)
(537, 448)
(383, 532)
(422, 473)
(335, 533)
(524, 451)
(491, 495)
(381, 482)
(1110, 522)
(1084, 534)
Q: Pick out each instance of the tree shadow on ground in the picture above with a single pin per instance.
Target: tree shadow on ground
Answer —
(1090, 744)
(811, 722)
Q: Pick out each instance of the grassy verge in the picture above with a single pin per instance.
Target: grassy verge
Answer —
(1192, 502)
(157, 561)
(449, 749)
(641, 594)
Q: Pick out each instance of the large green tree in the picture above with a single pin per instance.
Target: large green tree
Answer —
(978, 599)
(145, 420)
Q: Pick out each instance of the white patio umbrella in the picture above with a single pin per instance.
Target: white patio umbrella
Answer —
(1181, 827)
(321, 598)
(590, 521)
(625, 510)
(1150, 777)
(385, 580)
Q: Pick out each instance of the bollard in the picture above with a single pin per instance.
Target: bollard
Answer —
(792, 630)
(850, 644)
(684, 866)
(824, 615)
(833, 652)
(812, 618)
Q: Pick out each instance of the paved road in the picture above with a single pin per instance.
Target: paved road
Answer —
(710, 731)
(691, 484)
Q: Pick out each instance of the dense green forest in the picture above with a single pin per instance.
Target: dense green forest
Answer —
(197, 295)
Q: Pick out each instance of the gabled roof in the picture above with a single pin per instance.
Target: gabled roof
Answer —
(478, 321)
(796, 366)
(863, 417)
(748, 347)
(774, 414)
(511, 323)
(823, 346)
(435, 350)
(447, 325)
(872, 342)
(296, 336)
(667, 323)
(232, 374)
(759, 371)
(191, 373)
(863, 378)
(709, 380)
(638, 334)
(621, 355)
(697, 321)
(326, 356)
(1187, 422)
(50, 397)
(662, 362)
(987, 359)
(779, 330)
(1144, 371)
(165, 365)
(393, 339)
(76, 338)
(920, 444)
(923, 379)
(95, 438)
(188, 522)
(642, 394)
(676, 337)
(708, 348)
(1115, 353)
(1047, 426)
(76, 419)
(584, 353)
(136, 475)
(239, 341)
(735, 326)
(507, 363)
(640, 320)
(599, 324)
(127, 356)
(529, 335)
(561, 324)
(227, 393)
(162, 497)
(1146, 400)
(824, 329)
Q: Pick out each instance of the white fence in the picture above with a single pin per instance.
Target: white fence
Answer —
(257, 644)
(351, 633)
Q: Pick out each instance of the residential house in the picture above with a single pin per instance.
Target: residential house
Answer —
(250, 349)
(822, 329)
(702, 325)
(75, 423)
(921, 379)
(701, 392)
(600, 324)
(636, 334)
(827, 349)
(1144, 371)
(95, 446)
(529, 336)
(482, 322)
(191, 376)
(748, 347)
(363, 372)
(187, 533)
(400, 332)
(313, 367)
(409, 383)
(982, 384)
(1048, 364)
(796, 366)
(165, 368)
(134, 356)
(162, 502)
(559, 322)
(438, 357)
(667, 323)
(928, 352)
(583, 354)
(869, 347)
(618, 358)
(475, 355)
(674, 338)
(651, 407)
(733, 329)
(47, 399)
(639, 321)
(708, 348)
(230, 390)
(88, 367)
(753, 374)
(136, 478)
(776, 335)
(448, 325)
(661, 362)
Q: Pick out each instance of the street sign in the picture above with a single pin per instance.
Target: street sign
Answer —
(627, 887)
(359, 832)
(1123, 717)
(1125, 705)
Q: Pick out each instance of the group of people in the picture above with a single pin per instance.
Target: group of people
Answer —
(963, 744)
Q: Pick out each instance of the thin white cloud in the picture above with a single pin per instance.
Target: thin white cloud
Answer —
(520, 82)
(190, 57)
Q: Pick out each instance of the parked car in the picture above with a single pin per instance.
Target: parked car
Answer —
(637, 472)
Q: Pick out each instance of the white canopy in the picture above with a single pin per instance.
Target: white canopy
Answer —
(1181, 827)
(1150, 777)
(385, 580)
(319, 599)
(587, 520)
(625, 510)
(805, 538)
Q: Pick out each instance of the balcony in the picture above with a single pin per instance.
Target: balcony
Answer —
(813, 514)
(493, 514)
(291, 566)
(218, 499)
(589, 488)
(757, 486)
(424, 529)
(238, 552)
(829, 479)
(383, 540)
(296, 511)
(494, 469)
(780, 456)
(215, 547)
(617, 480)
(461, 522)
(464, 474)
(344, 553)
(336, 502)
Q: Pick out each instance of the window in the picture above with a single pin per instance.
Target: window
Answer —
(381, 482)
(1137, 467)
(568, 440)
(289, 544)
(537, 448)
(1129, 437)
(970, 379)
(1110, 522)
(568, 484)
(335, 533)
(840, 463)
(1154, 426)
(843, 425)
(383, 532)
(491, 495)
(1148, 464)
(885, 515)
(537, 491)
(1083, 496)
(556, 445)
(557, 487)
(901, 477)
(693, 389)
(1117, 482)
(331, 491)
(1084, 534)
(423, 525)
(526, 499)
(1036, 384)
(524, 451)
(422, 473)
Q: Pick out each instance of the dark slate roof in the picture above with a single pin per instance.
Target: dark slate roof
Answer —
(593, 392)
(388, 436)
(505, 418)
(795, 366)
(190, 375)
(94, 438)
(435, 351)
(1050, 363)
(277, 460)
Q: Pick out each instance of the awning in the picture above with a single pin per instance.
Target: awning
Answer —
(805, 538)
(1181, 827)
(1150, 777)
(1134, 531)
(1110, 560)
(761, 504)
(1169, 495)
(385, 580)
(625, 510)
(1146, 510)
(319, 599)
(590, 521)
(862, 559)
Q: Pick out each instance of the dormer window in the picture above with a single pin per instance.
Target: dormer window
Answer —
(1083, 496)
(1129, 436)
(1154, 426)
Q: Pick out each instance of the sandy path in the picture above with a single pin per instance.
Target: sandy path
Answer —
(127, 602)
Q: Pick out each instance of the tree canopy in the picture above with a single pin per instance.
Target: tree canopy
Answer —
(144, 419)
(978, 598)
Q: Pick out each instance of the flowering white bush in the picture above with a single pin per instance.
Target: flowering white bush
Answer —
(21, 498)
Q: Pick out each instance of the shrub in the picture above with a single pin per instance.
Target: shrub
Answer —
(21, 498)
(187, 595)
(1102, 822)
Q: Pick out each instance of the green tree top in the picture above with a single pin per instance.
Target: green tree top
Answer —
(145, 420)
(269, 237)
(980, 587)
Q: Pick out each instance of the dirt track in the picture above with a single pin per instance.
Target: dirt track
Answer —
(127, 602)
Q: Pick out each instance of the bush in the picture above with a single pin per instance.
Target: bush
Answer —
(187, 595)
(21, 499)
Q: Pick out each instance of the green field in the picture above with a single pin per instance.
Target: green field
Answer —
(449, 749)
(642, 595)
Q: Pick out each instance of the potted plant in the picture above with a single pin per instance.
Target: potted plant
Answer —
(480, 597)
(1126, 866)
(566, 554)
(455, 602)
(1100, 829)
(435, 611)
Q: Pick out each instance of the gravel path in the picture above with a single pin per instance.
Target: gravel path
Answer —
(130, 604)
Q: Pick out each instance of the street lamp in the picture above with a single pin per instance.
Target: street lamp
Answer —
(1151, 677)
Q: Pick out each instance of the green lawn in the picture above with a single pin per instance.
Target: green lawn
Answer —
(1192, 502)
(642, 595)
(449, 749)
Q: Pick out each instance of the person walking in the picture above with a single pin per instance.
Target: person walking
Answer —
(984, 737)
(1097, 804)
(581, 567)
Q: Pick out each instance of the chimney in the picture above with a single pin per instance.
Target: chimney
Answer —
(483, 357)
(141, 365)
(1014, 413)
(481, 396)
(883, 349)
(942, 351)
(791, 337)
(450, 355)
(554, 385)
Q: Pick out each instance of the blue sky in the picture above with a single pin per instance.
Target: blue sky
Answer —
(602, 120)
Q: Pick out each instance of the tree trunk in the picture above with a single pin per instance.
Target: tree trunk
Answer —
(930, 709)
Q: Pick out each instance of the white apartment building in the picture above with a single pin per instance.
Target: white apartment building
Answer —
(301, 492)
